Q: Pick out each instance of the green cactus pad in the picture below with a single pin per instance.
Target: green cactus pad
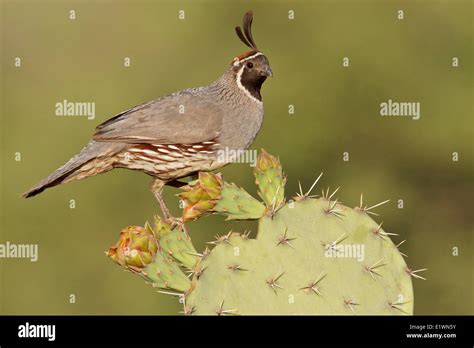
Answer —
(176, 243)
(237, 204)
(165, 273)
(289, 270)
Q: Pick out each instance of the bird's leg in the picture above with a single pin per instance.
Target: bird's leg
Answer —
(156, 188)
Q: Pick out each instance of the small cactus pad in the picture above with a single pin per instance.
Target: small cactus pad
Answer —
(176, 243)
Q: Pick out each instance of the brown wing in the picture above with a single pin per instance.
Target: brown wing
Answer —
(176, 119)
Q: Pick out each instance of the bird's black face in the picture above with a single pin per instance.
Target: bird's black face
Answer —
(251, 71)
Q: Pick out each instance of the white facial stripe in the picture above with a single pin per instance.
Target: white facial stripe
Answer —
(237, 61)
(241, 86)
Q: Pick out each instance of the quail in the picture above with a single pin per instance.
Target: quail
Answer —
(180, 134)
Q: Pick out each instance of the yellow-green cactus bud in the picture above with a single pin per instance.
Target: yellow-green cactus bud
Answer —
(265, 161)
(136, 247)
(201, 196)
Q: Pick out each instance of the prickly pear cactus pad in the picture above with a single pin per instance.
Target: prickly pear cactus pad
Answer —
(293, 267)
(312, 255)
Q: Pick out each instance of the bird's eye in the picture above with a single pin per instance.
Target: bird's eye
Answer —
(250, 65)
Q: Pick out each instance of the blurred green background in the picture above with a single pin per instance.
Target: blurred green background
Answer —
(336, 110)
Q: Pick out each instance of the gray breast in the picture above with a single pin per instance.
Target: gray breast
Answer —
(242, 122)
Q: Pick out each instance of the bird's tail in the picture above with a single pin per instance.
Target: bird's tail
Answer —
(78, 167)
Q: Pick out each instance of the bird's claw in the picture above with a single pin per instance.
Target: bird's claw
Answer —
(175, 222)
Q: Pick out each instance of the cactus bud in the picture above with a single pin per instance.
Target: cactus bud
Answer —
(265, 161)
(136, 247)
(201, 196)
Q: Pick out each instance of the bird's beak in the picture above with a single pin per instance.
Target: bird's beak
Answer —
(265, 72)
(268, 72)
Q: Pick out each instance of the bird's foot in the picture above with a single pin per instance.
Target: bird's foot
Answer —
(174, 222)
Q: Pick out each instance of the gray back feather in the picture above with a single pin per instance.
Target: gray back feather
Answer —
(189, 116)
